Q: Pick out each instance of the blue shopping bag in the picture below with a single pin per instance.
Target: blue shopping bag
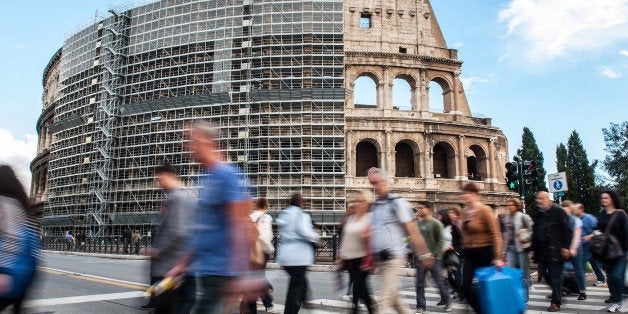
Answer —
(500, 291)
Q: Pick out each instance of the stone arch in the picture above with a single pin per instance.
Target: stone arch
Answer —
(365, 90)
(444, 160)
(406, 159)
(366, 156)
(477, 163)
(403, 92)
(445, 97)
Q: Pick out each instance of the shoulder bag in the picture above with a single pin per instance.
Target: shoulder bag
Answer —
(605, 246)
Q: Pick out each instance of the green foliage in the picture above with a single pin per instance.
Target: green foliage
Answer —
(616, 161)
(561, 158)
(530, 151)
(580, 174)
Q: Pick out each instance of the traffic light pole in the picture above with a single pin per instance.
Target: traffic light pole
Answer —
(519, 163)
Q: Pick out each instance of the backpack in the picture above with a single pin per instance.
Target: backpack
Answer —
(605, 246)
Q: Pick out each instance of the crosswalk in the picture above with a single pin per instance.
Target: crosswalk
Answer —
(538, 302)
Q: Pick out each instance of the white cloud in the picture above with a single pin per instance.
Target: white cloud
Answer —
(458, 44)
(469, 83)
(623, 53)
(610, 72)
(18, 154)
(21, 47)
(542, 30)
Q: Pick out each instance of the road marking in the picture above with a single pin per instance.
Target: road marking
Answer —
(110, 281)
(84, 298)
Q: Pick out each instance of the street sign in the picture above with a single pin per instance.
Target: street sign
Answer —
(557, 182)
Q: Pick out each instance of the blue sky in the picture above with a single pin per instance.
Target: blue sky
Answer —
(552, 65)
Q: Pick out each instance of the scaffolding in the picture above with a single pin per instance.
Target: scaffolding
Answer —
(270, 74)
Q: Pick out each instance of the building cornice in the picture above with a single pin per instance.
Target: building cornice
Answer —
(402, 56)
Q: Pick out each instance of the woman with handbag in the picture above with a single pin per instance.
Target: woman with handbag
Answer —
(354, 250)
(517, 239)
(614, 222)
(451, 257)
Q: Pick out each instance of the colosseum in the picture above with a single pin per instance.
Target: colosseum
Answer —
(284, 80)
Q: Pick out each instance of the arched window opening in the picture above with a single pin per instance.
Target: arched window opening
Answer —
(365, 92)
(444, 161)
(402, 94)
(440, 96)
(404, 161)
(476, 163)
(366, 157)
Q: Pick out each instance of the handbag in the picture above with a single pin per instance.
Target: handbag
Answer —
(605, 246)
(524, 234)
(451, 259)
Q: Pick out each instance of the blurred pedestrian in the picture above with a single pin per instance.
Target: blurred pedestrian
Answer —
(171, 241)
(354, 249)
(518, 239)
(481, 238)
(342, 265)
(589, 223)
(295, 250)
(575, 257)
(392, 220)
(551, 241)
(69, 240)
(19, 243)
(127, 236)
(611, 202)
(221, 237)
(135, 242)
(432, 231)
(452, 245)
(264, 223)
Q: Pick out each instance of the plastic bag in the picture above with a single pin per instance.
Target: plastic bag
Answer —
(501, 291)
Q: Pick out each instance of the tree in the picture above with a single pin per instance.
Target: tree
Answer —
(530, 151)
(561, 158)
(580, 174)
(616, 161)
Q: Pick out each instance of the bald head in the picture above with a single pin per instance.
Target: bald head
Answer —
(542, 200)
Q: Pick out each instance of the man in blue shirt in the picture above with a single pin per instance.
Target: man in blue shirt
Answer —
(589, 223)
(219, 248)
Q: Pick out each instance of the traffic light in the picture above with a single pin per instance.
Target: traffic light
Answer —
(512, 175)
(530, 172)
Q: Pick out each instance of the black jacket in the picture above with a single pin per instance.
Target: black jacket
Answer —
(551, 232)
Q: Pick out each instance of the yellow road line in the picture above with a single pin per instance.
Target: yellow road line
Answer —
(109, 281)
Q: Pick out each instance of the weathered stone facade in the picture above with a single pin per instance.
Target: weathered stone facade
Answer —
(386, 40)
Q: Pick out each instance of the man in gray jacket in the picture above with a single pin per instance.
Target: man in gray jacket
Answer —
(169, 243)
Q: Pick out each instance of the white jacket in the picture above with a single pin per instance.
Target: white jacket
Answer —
(265, 228)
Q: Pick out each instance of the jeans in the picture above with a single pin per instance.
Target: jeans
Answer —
(391, 285)
(213, 293)
(579, 270)
(437, 276)
(520, 260)
(615, 272)
(360, 285)
(474, 258)
(297, 289)
(594, 263)
(187, 296)
(552, 272)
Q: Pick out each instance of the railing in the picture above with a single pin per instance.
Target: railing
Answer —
(326, 252)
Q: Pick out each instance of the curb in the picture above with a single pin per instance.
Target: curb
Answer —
(100, 255)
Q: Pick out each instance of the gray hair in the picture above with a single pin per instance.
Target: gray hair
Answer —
(383, 174)
(208, 129)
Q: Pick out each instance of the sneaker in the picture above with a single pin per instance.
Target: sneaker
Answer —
(420, 311)
(582, 296)
(598, 283)
(553, 308)
(347, 298)
(609, 300)
(448, 307)
(614, 308)
(441, 302)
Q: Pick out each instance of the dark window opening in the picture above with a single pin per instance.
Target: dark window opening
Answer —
(403, 50)
(366, 157)
(404, 161)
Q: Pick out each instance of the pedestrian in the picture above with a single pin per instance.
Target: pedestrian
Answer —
(551, 241)
(219, 249)
(354, 249)
(454, 215)
(19, 241)
(589, 223)
(481, 240)
(576, 260)
(452, 246)
(611, 202)
(342, 265)
(77, 241)
(135, 242)
(392, 220)
(432, 232)
(127, 235)
(81, 240)
(171, 241)
(264, 223)
(69, 240)
(518, 239)
(295, 251)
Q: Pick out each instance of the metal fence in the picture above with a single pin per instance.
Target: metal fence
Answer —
(325, 252)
